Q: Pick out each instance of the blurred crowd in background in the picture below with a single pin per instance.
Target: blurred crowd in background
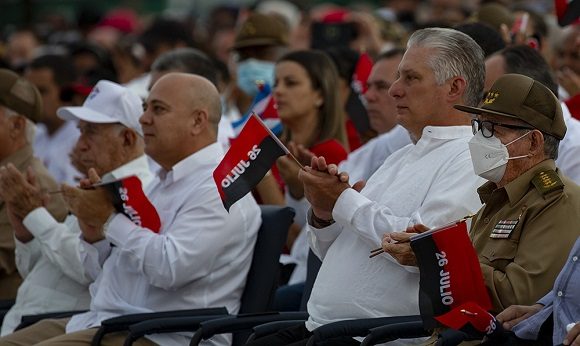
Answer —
(119, 42)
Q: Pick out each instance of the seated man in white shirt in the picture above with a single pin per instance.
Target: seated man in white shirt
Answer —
(201, 255)
(48, 253)
(431, 180)
(360, 164)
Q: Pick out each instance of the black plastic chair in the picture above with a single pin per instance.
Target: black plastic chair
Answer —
(257, 296)
(313, 266)
(282, 320)
(384, 329)
(355, 328)
(270, 328)
(265, 324)
(28, 320)
(122, 323)
(395, 331)
(5, 305)
(242, 323)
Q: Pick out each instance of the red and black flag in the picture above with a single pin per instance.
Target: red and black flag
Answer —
(361, 74)
(130, 200)
(247, 161)
(451, 290)
(567, 11)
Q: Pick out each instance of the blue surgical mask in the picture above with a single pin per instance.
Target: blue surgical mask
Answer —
(251, 71)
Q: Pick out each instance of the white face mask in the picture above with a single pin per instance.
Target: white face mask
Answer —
(490, 157)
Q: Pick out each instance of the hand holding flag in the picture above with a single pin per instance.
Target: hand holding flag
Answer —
(130, 200)
(451, 289)
(95, 201)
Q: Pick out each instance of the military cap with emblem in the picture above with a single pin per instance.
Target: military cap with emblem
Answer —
(520, 97)
(19, 95)
(261, 30)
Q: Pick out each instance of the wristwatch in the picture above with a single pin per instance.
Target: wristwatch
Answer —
(317, 222)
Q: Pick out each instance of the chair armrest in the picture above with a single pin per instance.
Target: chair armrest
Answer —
(166, 325)
(272, 327)
(395, 331)
(450, 337)
(357, 327)
(242, 322)
(120, 323)
(28, 320)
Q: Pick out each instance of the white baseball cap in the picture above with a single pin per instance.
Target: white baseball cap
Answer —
(108, 103)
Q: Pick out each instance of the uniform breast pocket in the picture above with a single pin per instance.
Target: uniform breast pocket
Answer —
(500, 252)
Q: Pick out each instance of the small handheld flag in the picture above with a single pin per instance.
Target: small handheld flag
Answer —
(451, 289)
(249, 158)
(130, 200)
(567, 11)
(361, 73)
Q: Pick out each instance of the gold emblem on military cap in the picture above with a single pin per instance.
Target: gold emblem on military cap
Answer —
(490, 98)
(249, 29)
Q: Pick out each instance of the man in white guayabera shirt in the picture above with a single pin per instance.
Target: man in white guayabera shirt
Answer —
(430, 180)
(49, 254)
(201, 255)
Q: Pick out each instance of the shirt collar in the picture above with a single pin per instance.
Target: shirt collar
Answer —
(446, 132)
(139, 164)
(517, 188)
(209, 155)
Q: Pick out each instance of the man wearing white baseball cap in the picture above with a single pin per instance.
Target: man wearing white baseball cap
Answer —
(111, 142)
(108, 103)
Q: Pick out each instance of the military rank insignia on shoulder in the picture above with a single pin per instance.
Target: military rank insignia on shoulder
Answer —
(547, 181)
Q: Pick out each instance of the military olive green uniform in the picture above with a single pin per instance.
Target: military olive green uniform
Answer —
(524, 232)
(9, 278)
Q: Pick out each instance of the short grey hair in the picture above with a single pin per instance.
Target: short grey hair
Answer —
(551, 145)
(458, 55)
(9, 113)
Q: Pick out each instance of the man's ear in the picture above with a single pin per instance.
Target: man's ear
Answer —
(18, 125)
(129, 137)
(457, 86)
(536, 143)
(200, 121)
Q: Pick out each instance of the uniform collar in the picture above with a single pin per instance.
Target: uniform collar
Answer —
(19, 157)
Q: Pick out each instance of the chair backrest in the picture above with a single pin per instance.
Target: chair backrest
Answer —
(262, 278)
(313, 265)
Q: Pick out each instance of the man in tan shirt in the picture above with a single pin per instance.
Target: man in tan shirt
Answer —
(20, 102)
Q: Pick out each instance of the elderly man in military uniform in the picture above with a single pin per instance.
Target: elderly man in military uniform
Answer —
(530, 219)
(20, 101)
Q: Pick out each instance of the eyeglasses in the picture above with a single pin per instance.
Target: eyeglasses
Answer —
(487, 128)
